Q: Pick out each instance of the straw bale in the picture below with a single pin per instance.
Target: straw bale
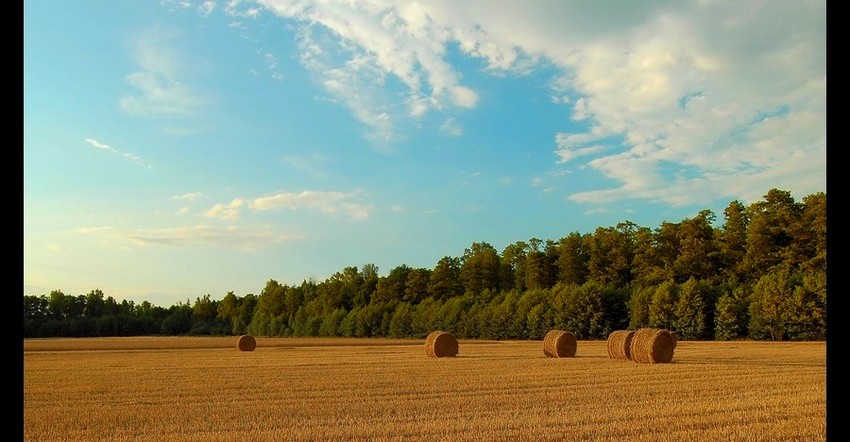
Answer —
(652, 346)
(440, 344)
(620, 343)
(246, 343)
(559, 344)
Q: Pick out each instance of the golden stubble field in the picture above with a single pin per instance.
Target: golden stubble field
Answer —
(204, 389)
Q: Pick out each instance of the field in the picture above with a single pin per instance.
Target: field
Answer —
(204, 389)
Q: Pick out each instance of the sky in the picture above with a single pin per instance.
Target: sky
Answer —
(176, 149)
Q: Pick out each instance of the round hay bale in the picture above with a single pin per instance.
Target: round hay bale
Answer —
(246, 343)
(440, 344)
(652, 346)
(559, 344)
(620, 344)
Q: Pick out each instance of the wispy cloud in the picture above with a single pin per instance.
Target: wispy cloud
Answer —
(128, 155)
(451, 127)
(191, 196)
(312, 164)
(572, 146)
(161, 92)
(373, 41)
(331, 203)
(228, 211)
(206, 7)
(271, 63)
(253, 239)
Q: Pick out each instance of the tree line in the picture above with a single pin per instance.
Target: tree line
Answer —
(760, 274)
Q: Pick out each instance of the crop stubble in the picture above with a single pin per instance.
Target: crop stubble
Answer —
(303, 389)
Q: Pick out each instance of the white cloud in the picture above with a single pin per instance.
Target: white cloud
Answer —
(330, 203)
(373, 40)
(571, 146)
(683, 89)
(128, 155)
(272, 64)
(669, 96)
(451, 127)
(206, 7)
(356, 211)
(100, 145)
(252, 239)
(191, 196)
(228, 211)
(464, 96)
(158, 83)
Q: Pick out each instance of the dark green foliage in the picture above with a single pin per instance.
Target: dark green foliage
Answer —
(540, 265)
(770, 233)
(401, 324)
(452, 315)
(809, 320)
(648, 265)
(732, 315)
(771, 306)
(538, 322)
(416, 286)
(615, 310)
(512, 266)
(691, 321)
(572, 259)
(494, 319)
(610, 253)
(662, 308)
(479, 269)
(732, 241)
(761, 275)
(697, 254)
(425, 317)
(584, 315)
(639, 304)
(179, 320)
(444, 281)
(393, 286)
(527, 301)
(789, 306)
(330, 323)
(810, 233)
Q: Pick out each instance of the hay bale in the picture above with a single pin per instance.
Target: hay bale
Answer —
(246, 343)
(440, 344)
(620, 344)
(559, 344)
(652, 346)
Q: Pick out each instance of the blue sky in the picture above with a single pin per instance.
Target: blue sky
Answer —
(175, 149)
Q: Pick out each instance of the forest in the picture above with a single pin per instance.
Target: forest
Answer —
(758, 274)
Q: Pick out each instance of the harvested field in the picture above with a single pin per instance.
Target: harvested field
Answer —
(381, 389)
